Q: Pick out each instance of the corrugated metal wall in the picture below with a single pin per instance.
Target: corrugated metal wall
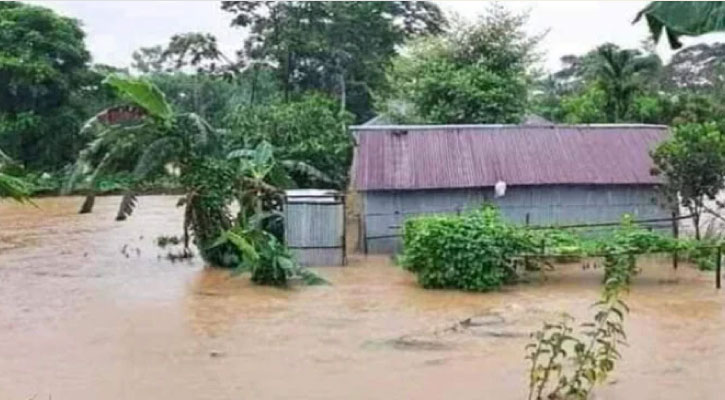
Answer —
(385, 211)
(315, 232)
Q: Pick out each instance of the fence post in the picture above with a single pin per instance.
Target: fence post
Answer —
(718, 265)
(344, 229)
(675, 235)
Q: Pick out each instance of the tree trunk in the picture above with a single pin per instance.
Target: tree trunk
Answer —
(87, 206)
(696, 222)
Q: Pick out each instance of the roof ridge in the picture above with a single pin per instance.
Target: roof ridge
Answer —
(502, 126)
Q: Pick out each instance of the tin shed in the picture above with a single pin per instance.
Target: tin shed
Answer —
(552, 174)
(315, 226)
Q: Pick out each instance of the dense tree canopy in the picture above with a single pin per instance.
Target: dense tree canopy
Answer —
(310, 129)
(341, 48)
(599, 86)
(44, 65)
(476, 72)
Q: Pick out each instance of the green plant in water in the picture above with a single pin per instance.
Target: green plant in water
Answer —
(10, 186)
(211, 178)
(266, 258)
(568, 364)
(476, 251)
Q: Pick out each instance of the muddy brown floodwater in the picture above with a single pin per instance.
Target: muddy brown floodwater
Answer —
(91, 309)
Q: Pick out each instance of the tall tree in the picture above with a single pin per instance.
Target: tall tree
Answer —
(621, 73)
(339, 47)
(43, 60)
(475, 73)
(185, 51)
(692, 164)
(605, 84)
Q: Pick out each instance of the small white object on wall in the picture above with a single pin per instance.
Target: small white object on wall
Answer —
(499, 189)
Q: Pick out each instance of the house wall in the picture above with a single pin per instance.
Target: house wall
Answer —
(385, 211)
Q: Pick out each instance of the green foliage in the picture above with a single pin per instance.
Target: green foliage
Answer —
(44, 72)
(703, 254)
(341, 48)
(621, 74)
(265, 258)
(209, 188)
(213, 98)
(683, 18)
(692, 163)
(310, 131)
(473, 252)
(184, 51)
(586, 107)
(478, 251)
(11, 186)
(568, 363)
(474, 73)
(142, 94)
(606, 84)
(566, 245)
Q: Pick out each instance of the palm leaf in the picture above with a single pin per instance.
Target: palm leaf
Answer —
(141, 93)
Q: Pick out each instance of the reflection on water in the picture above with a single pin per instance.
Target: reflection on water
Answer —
(91, 309)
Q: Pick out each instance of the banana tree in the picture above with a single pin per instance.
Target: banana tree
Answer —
(210, 177)
(148, 126)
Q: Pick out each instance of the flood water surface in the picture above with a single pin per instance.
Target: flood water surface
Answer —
(90, 308)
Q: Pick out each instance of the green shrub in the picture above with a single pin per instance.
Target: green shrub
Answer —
(565, 246)
(704, 257)
(474, 251)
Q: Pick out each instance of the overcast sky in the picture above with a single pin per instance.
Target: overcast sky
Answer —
(116, 28)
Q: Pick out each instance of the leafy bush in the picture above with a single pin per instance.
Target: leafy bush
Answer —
(473, 252)
(265, 257)
(566, 246)
(700, 253)
(477, 251)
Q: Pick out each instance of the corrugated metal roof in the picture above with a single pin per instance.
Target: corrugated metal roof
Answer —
(465, 156)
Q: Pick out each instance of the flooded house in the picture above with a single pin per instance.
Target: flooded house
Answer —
(543, 174)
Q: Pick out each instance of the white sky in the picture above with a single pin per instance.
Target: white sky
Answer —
(116, 28)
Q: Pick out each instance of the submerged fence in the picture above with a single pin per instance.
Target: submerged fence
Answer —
(650, 223)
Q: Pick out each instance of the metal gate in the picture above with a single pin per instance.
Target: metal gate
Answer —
(315, 226)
